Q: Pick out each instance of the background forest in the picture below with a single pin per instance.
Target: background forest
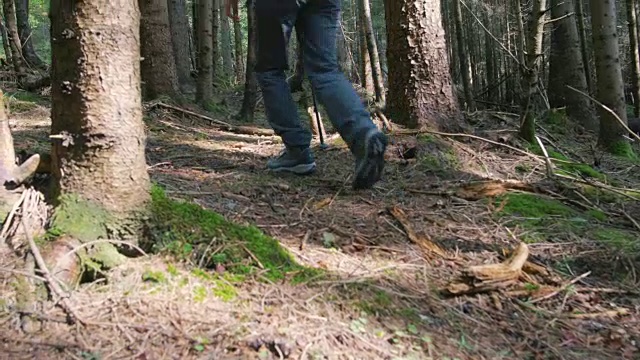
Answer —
(138, 220)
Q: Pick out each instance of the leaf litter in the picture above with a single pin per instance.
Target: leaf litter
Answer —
(395, 253)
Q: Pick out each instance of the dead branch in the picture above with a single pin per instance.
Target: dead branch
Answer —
(72, 316)
(561, 289)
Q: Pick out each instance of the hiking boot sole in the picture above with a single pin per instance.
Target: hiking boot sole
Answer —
(369, 169)
(300, 169)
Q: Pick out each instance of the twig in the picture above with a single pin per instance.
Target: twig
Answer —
(253, 257)
(548, 163)
(119, 242)
(72, 317)
(562, 288)
(633, 221)
(161, 104)
(18, 272)
(606, 109)
(9, 218)
(425, 131)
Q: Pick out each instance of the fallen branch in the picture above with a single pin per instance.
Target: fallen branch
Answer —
(426, 244)
(246, 130)
(561, 289)
(72, 316)
(491, 277)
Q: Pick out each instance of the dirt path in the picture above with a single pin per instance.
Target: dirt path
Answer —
(384, 299)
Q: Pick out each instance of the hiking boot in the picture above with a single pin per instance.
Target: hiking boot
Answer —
(370, 160)
(294, 160)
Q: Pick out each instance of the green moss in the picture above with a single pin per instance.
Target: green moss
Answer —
(597, 214)
(79, 218)
(622, 149)
(200, 293)
(622, 240)
(154, 276)
(532, 206)
(190, 232)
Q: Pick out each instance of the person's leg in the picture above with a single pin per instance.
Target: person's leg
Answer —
(319, 21)
(274, 22)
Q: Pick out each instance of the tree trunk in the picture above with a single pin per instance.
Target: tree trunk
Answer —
(366, 72)
(532, 68)
(420, 88)
(5, 41)
(225, 43)
(158, 70)
(14, 38)
(239, 52)
(204, 90)
(179, 25)
(584, 48)
(372, 49)
(609, 77)
(215, 29)
(634, 56)
(463, 54)
(98, 151)
(251, 82)
(24, 29)
(566, 67)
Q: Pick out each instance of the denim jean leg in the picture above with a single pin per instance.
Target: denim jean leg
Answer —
(273, 33)
(319, 21)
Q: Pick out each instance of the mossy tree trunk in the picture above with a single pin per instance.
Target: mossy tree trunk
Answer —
(179, 24)
(239, 52)
(372, 49)
(463, 55)
(420, 86)
(98, 154)
(566, 67)
(158, 68)
(584, 47)
(609, 77)
(5, 41)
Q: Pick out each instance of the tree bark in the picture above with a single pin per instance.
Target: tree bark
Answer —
(532, 68)
(24, 30)
(179, 25)
(634, 55)
(420, 87)
(366, 72)
(14, 38)
(5, 41)
(372, 49)
(225, 44)
(584, 48)
(204, 90)
(566, 67)
(215, 29)
(158, 69)
(239, 52)
(609, 76)
(463, 55)
(251, 82)
(98, 153)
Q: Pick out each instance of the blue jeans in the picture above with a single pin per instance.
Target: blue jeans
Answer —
(316, 24)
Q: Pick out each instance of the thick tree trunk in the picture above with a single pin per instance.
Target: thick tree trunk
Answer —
(239, 52)
(463, 55)
(158, 68)
(24, 30)
(179, 25)
(532, 71)
(634, 55)
(420, 87)
(251, 82)
(98, 152)
(205, 52)
(225, 44)
(14, 38)
(372, 49)
(609, 76)
(566, 67)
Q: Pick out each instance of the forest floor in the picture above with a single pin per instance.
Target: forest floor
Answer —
(380, 290)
